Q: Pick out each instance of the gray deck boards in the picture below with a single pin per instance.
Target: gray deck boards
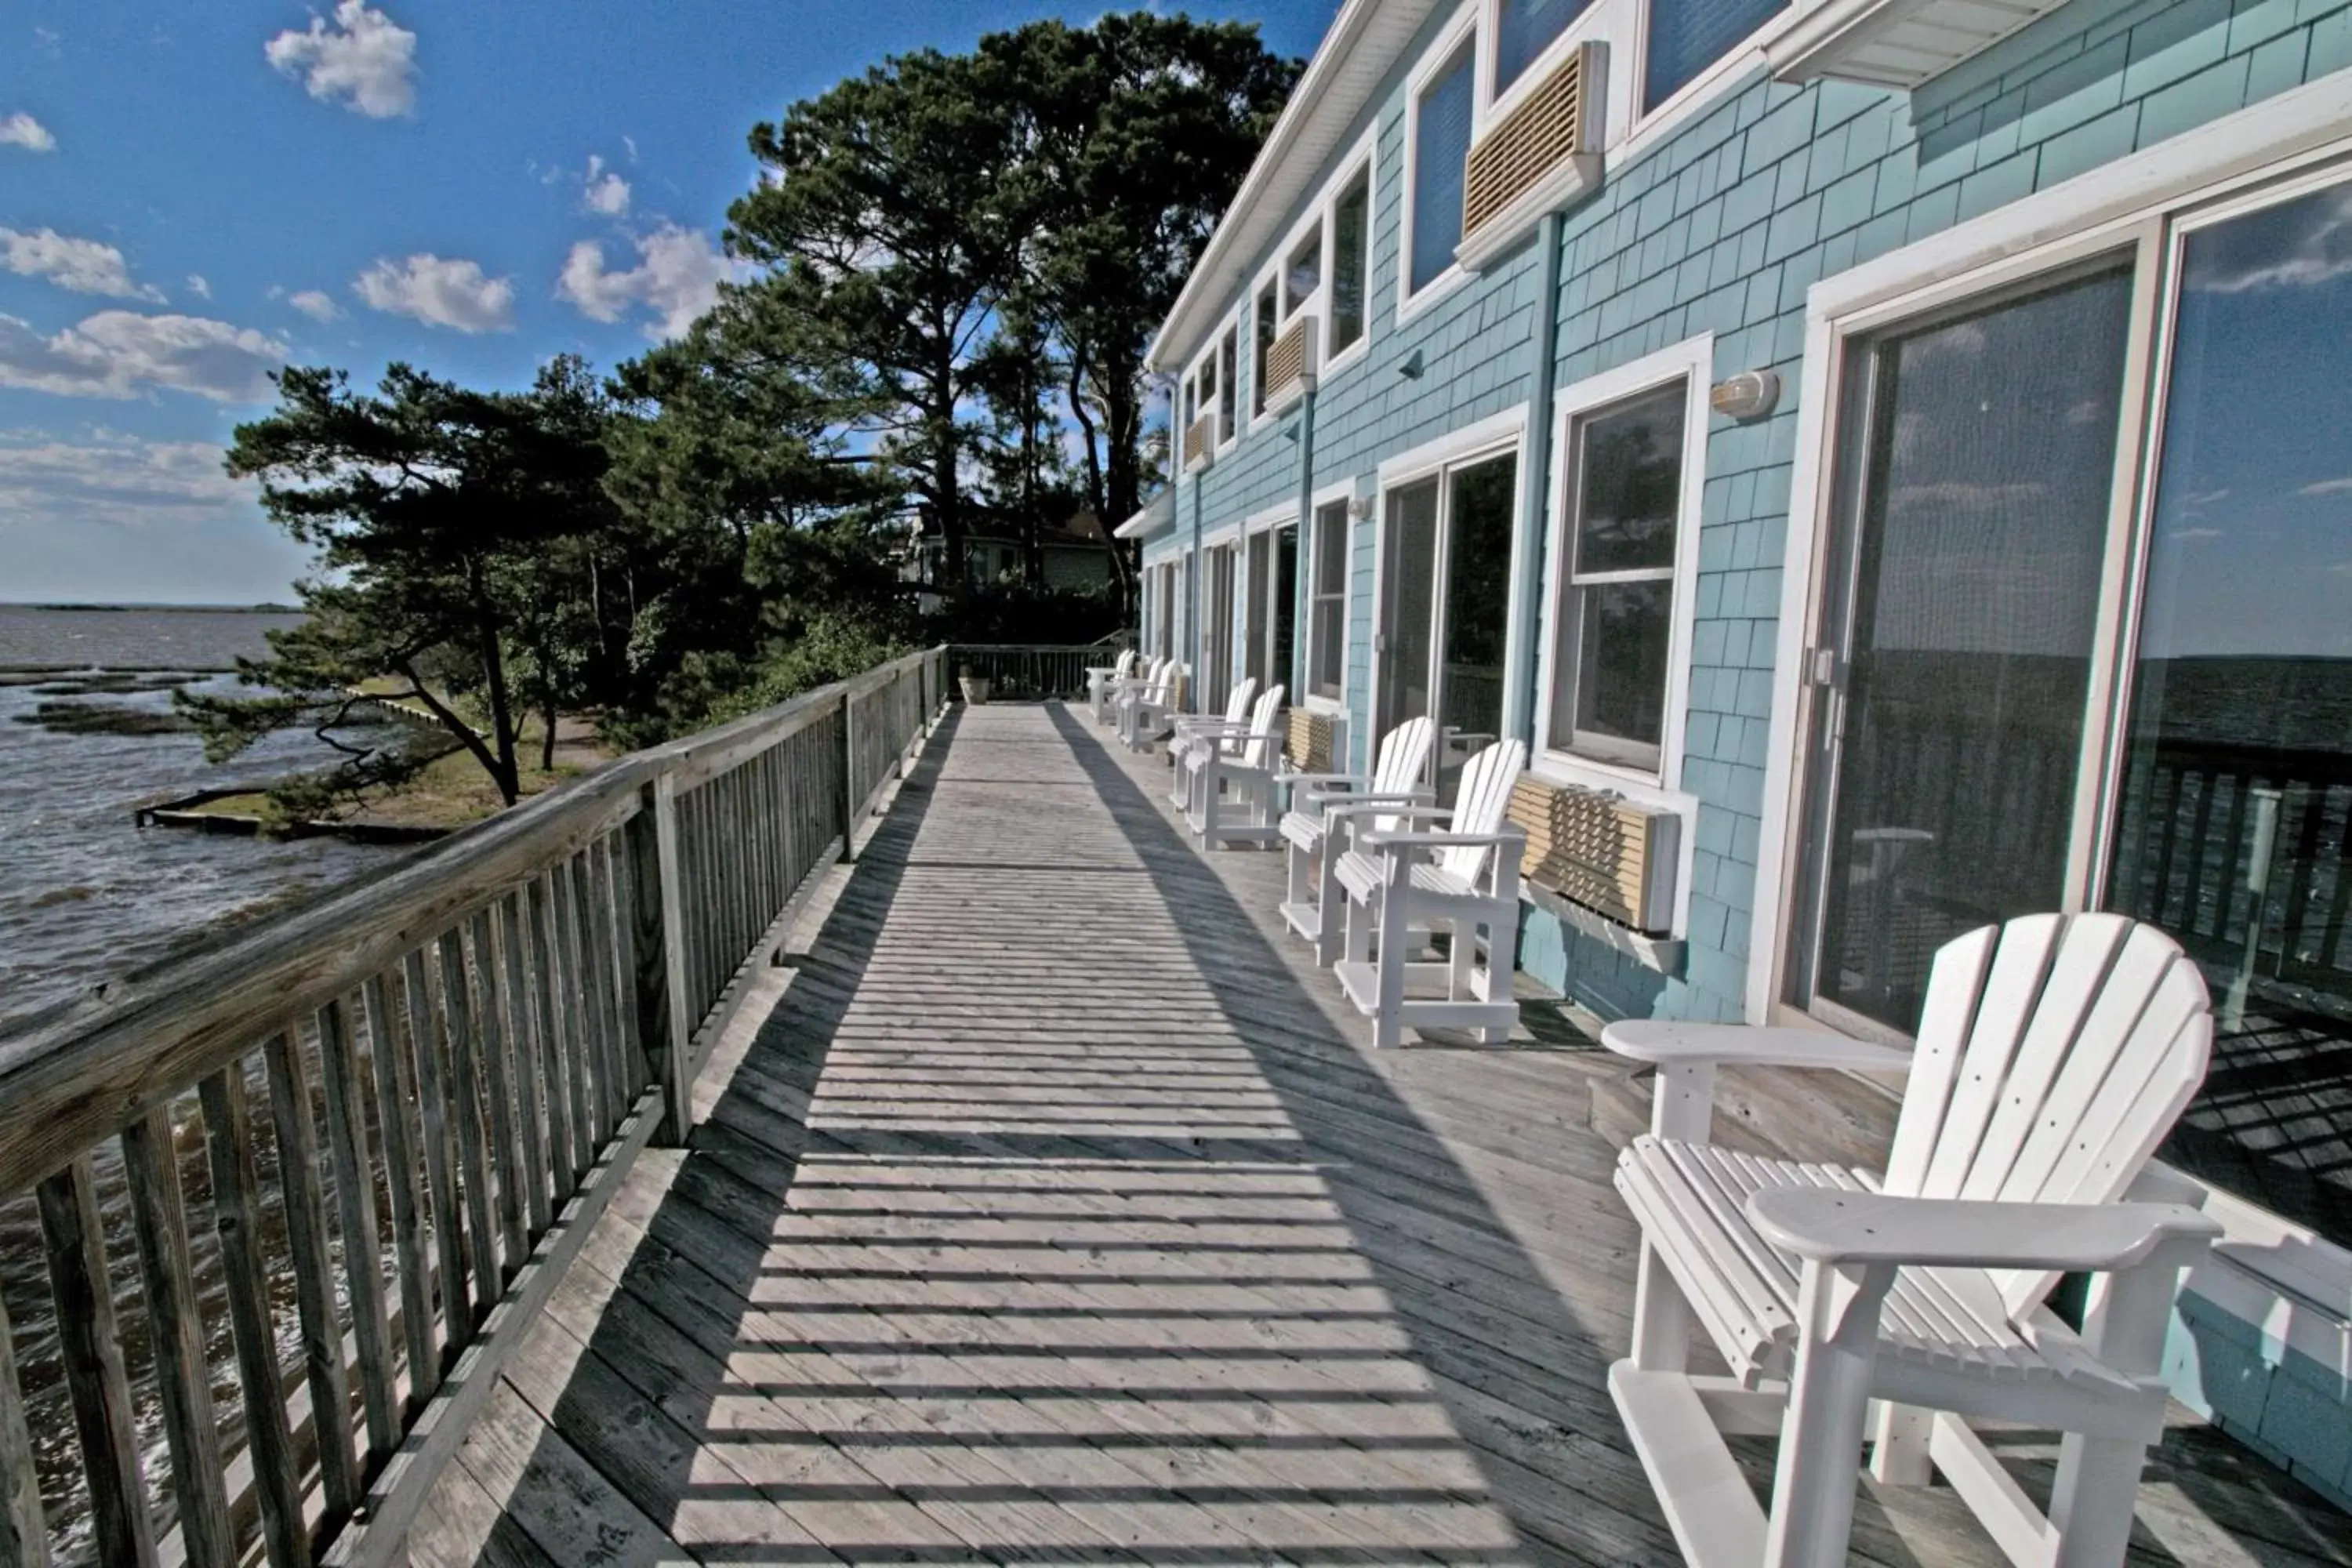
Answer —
(1049, 1208)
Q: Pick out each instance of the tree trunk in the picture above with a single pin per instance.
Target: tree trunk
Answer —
(546, 741)
(507, 774)
(1105, 493)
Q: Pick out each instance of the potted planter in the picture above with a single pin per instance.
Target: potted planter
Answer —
(975, 687)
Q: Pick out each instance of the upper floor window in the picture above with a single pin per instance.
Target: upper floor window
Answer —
(1262, 340)
(1327, 602)
(1686, 36)
(1351, 258)
(1228, 353)
(1302, 274)
(1443, 112)
(1522, 31)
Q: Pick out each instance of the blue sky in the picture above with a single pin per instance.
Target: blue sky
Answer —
(192, 192)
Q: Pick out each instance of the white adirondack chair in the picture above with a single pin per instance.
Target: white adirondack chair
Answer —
(1229, 784)
(1102, 680)
(1460, 880)
(1322, 806)
(2055, 1053)
(1194, 731)
(1146, 708)
(1117, 691)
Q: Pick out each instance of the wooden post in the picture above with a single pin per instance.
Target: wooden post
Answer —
(847, 794)
(91, 1349)
(24, 1537)
(662, 990)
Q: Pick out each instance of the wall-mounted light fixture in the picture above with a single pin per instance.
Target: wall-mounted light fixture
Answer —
(1360, 507)
(1750, 394)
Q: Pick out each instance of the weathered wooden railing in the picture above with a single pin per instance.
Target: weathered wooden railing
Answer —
(395, 1111)
(1018, 670)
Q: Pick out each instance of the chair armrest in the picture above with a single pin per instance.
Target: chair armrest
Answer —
(1330, 784)
(1393, 840)
(1822, 1225)
(1664, 1042)
(1416, 805)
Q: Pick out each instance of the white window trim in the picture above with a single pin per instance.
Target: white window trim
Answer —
(1280, 516)
(1321, 217)
(1226, 437)
(1692, 361)
(1345, 490)
(2309, 1302)
(1489, 438)
(1462, 26)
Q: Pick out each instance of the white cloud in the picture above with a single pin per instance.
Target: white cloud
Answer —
(115, 479)
(315, 305)
(2318, 251)
(631, 143)
(21, 130)
(605, 191)
(675, 279)
(2327, 487)
(83, 265)
(198, 287)
(439, 293)
(121, 354)
(363, 59)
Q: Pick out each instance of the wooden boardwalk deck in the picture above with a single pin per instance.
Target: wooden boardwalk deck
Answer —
(1047, 1209)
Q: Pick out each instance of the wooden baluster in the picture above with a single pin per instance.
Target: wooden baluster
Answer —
(577, 900)
(498, 1081)
(426, 1031)
(236, 1215)
(523, 1042)
(347, 1148)
(845, 799)
(664, 899)
(91, 1349)
(620, 878)
(159, 1217)
(562, 1130)
(314, 1297)
(587, 1104)
(24, 1536)
(466, 1117)
(596, 876)
(394, 1088)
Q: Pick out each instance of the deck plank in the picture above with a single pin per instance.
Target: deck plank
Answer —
(1049, 1207)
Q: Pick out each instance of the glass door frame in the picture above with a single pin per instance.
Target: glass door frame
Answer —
(1504, 436)
(1838, 343)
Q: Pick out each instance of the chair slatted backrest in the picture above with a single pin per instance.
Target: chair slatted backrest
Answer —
(1481, 802)
(2055, 1053)
(1237, 712)
(1124, 665)
(1404, 753)
(1263, 747)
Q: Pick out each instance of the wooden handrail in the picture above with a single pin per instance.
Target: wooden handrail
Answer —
(492, 1028)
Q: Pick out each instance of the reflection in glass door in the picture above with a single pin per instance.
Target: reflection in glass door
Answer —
(1446, 604)
(1963, 600)
(2234, 819)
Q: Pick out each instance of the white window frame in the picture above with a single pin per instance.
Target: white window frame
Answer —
(1463, 28)
(2267, 1270)
(1691, 362)
(1206, 362)
(1320, 220)
(1342, 494)
(1488, 438)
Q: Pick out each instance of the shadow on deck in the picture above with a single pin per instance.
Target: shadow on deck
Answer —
(1048, 1208)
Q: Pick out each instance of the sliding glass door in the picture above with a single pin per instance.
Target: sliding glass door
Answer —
(1444, 603)
(2236, 769)
(2085, 641)
(1958, 649)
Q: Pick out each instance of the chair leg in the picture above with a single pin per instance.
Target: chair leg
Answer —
(1819, 1464)
(1295, 864)
(1329, 911)
(1388, 1019)
(1462, 952)
(1661, 1315)
(1898, 1449)
(2092, 1500)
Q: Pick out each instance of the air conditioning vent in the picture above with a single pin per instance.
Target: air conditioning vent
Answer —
(1601, 850)
(1290, 362)
(1313, 746)
(1199, 442)
(1540, 155)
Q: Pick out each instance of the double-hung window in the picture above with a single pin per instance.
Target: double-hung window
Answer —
(1228, 351)
(1327, 610)
(1522, 31)
(1264, 332)
(1631, 456)
(1686, 36)
(1351, 259)
(1443, 109)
